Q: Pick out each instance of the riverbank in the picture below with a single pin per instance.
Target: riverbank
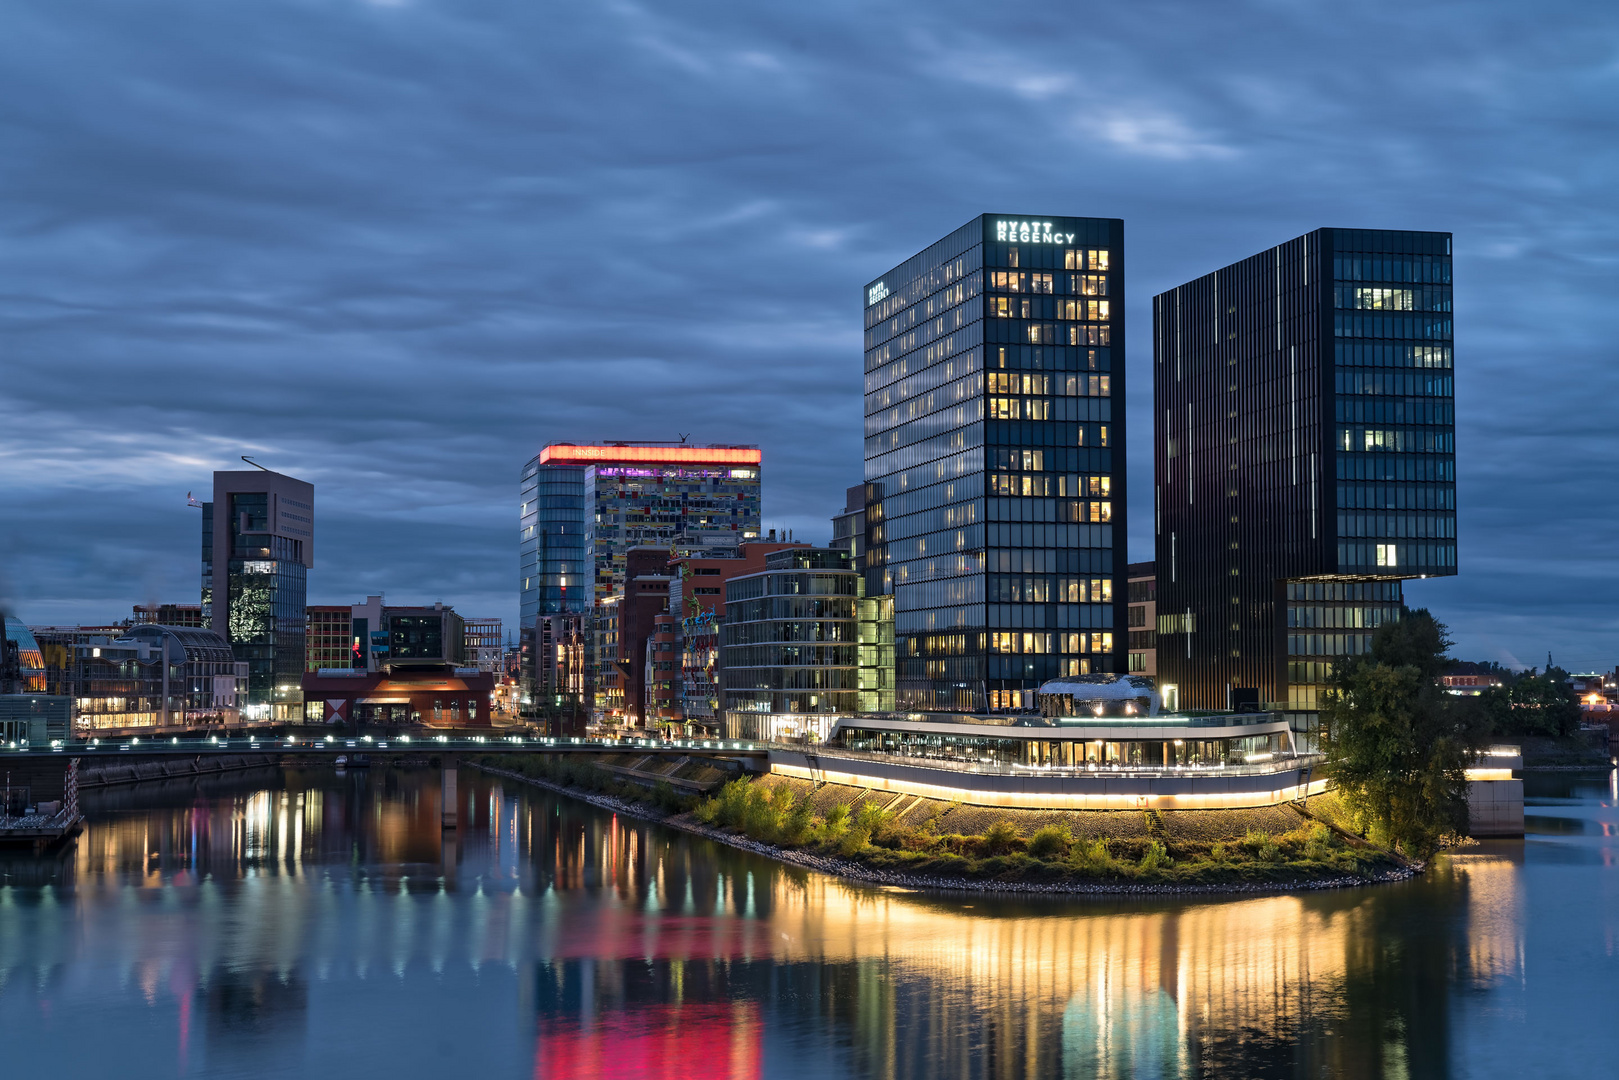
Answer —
(849, 833)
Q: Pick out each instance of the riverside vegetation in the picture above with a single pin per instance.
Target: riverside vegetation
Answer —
(1196, 848)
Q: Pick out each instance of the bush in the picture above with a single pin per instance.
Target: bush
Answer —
(1268, 853)
(853, 842)
(1000, 838)
(869, 818)
(1050, 842)
(1155, 858)
(1092, 857)
(731, 803)
(1218, 853)
(707, 812)
(836, 822)
(795, 826)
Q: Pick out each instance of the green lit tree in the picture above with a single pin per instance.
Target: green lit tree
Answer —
(1397, 746)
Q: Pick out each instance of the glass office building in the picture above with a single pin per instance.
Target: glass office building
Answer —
(259, 529)
(1305, 460)
(995, 456)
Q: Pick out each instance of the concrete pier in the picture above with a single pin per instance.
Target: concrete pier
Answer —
(449, 802)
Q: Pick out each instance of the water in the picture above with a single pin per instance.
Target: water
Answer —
(309, 924)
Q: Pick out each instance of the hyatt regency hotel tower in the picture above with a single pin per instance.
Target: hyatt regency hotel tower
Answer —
(1305, 461)
(995, 459)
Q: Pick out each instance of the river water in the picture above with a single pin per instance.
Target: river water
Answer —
(312, 924)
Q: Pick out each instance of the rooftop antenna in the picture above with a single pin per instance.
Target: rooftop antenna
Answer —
(684, 437)
(192, 502)
(255, 464)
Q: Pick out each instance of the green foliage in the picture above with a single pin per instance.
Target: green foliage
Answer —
(795, 827)
(869, 818)
(1396, 744)
(854, 841)
(1155, 858)
(1092, 857)
(1000, 837)
(1218, 853)
(1533, 704)
(836, 822)
(1050, 842)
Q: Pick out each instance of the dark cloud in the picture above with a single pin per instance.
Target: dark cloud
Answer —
(394, 248)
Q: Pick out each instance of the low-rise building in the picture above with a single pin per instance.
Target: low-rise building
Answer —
(162, 677)
(402, 694)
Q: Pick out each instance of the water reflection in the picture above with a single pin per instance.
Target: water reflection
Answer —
(283, 922)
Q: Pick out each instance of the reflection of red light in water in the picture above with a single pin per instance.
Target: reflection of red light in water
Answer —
(663, 1042)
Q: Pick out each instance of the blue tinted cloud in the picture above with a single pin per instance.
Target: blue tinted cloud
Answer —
(394, 248)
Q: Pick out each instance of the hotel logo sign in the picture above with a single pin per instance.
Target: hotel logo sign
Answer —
(1030, 232)
(877, 292)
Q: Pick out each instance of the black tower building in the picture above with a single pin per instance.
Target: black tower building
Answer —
(994, 461)
(1304, 457)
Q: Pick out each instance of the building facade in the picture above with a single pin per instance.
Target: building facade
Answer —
(484, 649)
(163, 677)
(790, 643)
(259, 546)
(1142, 619)
(329, 640)
(994, 459)
(1305, 460)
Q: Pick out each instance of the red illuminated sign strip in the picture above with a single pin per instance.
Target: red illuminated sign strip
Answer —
(684, 455)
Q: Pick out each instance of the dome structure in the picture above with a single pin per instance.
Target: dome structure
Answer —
(1086, 696)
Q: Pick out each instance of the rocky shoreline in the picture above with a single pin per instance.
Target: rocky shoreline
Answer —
(853, 871)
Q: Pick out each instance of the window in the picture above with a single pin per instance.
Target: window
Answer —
(1137, 615)
(1385, 555)
(1040, 283)
(1090, 284)
(1384, 299)
(1005, 408)
(1082, 310)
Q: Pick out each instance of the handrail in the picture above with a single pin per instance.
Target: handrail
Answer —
(827, 753)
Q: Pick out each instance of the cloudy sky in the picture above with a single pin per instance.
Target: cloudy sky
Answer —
(394, 248)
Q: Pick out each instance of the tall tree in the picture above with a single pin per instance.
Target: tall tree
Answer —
(1396, 744)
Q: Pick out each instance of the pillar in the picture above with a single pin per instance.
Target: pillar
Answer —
(448, 798)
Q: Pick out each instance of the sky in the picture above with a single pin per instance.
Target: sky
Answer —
(394, 248)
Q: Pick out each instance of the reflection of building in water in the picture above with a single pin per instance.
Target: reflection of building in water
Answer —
(255, 1021)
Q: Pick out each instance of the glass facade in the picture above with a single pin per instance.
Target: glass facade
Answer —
(265, 619)
(990, 440)
(553, 541)
(791, 640)
(1305, 459)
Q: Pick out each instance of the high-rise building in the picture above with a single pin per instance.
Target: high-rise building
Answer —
(997, 456)
(584, 507)
(1305, 460)
(790, 644)
(261, 528)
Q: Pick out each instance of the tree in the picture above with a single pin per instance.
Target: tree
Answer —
(1396, 744)
(1534, 704)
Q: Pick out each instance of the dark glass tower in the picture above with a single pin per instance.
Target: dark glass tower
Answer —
(1304, 458)
(994, 448)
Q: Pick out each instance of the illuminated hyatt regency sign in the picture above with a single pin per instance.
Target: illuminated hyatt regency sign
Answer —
(1031, 232)
(877, 292)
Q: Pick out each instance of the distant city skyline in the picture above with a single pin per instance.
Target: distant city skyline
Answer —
(370, 272)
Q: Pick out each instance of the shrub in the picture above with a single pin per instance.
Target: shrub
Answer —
(760, 818)
(1050, 842)
(707, 811)
(1218, 853)
(1000, 837)
(795, 826)
(869, 818)
(1092, 857)
(1319, 843)
(1256, 839)
(836, 822)
(853, 842)
(1155, 858)
(1268, 852)
(731, 803)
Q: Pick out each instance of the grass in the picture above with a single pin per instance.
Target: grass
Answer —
(873, 838)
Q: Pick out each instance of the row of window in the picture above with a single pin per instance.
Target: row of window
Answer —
(1046, 257)
(1396, 497)
(1383, 298)
(1387, 467)
(1008, 382)
(1419, 269)
(1397, 440)
(1045, 590)
(889, 363)
(1328, 644)
(1394, 383)
(1063, 409)
(1391, 355)
(1373, 410)
(1013, 642)
(1353, 592)
(1048, 485)
(1011, 307)
(1049, 536)
(1023, 281)
(949, 370)
(1398, 525)
(1418, 557)
(923, 285)
(1049, 358)
(1067, 511)
(1431, 327)
(1040, 333)
(1340, 617)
